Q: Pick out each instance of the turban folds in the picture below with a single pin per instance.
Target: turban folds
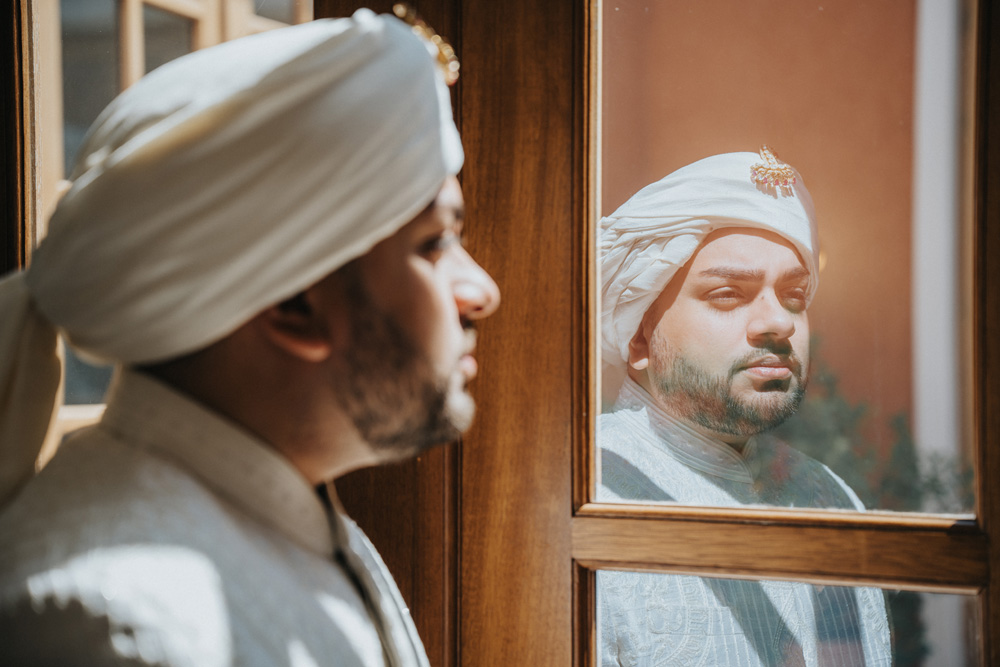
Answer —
(224, 182)
(653, 235)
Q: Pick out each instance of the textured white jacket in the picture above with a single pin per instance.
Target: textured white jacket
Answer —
(166, 535)
(660, 620)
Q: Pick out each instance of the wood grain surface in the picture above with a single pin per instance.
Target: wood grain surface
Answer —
(520, 88)
(987, 315)
(928, 559)
(12, 149)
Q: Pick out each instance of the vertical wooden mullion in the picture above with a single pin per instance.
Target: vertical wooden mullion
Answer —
(303, 11)
(987, 322)
(207, 29)
(48, 113)
(585, 616)
(233, 21)
(132, 50)
(16, 30)
(518, 88)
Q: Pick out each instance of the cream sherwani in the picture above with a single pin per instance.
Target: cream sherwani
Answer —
(166, 535)
(652, 620)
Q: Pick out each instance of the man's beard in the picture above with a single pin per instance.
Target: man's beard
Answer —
(389, 388)
(695, 395)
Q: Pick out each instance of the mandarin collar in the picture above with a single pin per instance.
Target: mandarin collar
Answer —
(694, 449)
(235, 464)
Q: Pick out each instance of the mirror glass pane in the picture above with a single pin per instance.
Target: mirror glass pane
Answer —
(90, 66)
(278, 10)
(167, 36)
(784, 326)
(647, 619)
(90, 76)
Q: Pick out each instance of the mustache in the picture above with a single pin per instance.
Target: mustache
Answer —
(780, 349)
(469, 335)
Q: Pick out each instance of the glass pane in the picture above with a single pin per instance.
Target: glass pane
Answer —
(723, 381)
(279, 10)
(649, 619)
(90, 62)
(168, 36)
(90, 66)
(85, 382)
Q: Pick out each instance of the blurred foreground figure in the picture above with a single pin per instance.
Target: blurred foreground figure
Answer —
(265, 236)
(706, 278)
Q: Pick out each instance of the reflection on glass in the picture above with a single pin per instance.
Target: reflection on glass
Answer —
(90, 66)
(707, 277)
(658, 619)
(167, 36)
(717, 411)
(85, 383)
(90, 52)
(278, 10)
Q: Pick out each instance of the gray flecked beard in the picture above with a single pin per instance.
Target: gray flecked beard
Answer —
(693, 394)
(389, 388)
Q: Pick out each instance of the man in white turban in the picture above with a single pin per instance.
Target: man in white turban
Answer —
(265, 238)
(706, 279)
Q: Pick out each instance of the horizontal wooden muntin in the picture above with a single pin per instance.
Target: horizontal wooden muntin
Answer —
(955, 523)
(917, 553)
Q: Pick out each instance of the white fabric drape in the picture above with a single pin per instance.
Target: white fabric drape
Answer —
(30, 369)
(221, 184)
(653, 234)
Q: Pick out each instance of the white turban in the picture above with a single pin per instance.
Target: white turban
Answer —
(653, 235)
(222, 183)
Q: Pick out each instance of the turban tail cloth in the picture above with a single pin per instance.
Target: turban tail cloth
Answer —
(220, 184)
(653, 235)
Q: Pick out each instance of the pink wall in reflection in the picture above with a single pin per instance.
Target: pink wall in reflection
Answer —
(829, 86)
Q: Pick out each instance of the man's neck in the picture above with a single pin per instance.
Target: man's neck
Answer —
(264, 405)
(737, 442)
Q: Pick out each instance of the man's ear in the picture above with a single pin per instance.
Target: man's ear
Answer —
(295, 327)
(638, 349)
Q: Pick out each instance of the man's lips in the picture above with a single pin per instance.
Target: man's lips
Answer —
(770, 367)
(467, 364)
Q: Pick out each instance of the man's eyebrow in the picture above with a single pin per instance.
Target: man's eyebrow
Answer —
(732, 273)
(797, 273)
(736, 273)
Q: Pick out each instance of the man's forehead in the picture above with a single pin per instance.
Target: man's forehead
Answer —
(448, 204)
(745, 249)
(450, 194)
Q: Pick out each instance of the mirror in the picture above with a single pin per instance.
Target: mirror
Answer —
(784, 326)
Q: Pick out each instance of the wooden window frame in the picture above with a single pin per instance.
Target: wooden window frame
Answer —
(494, 543)
(41, 113)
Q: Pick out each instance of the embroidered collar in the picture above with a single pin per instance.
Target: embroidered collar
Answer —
(238, 466)
(687, 445)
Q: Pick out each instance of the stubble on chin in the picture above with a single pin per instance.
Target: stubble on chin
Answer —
(390, 390)
(691, 393)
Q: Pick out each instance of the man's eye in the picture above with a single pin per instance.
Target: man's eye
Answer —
(725, 297)
(795, 299)
(433, 247)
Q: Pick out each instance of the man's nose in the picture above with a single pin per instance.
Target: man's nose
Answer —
(476, 294)
(769, 318)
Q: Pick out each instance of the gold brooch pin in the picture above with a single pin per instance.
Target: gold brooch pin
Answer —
(446, 58)
(772, 171)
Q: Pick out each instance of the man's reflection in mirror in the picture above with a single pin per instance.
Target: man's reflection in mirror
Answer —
(707, 276)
